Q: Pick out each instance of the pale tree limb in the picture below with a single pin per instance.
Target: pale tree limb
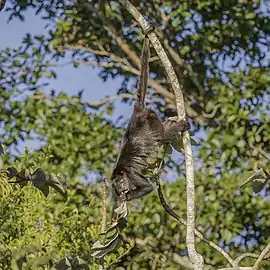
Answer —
(250, 255)
(236, 268)
(262, 255)
(195, 258)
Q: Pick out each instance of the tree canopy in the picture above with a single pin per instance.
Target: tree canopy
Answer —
(219, 50)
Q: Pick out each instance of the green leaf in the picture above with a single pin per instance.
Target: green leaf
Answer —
(78, 263)
(258, 184)
(53, 181)
(39, 178)
(112, 247)
(11, 172)
(250, 15)
(63, 264)
(1, 149)
(193, 142)
(258, 180)
(178, 145)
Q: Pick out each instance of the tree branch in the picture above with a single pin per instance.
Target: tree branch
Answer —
(104, 205)
(124, 46)
(262, 255)
(94, 104)
(188, 67)
(251, 255)
(195, 257)
(152, 83)
(236, 268)
(92, 51)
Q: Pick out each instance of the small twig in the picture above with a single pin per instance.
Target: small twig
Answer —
(104, 204)
(92, 51)
(181, 63)
(94, 104)
(236, 268)
(124, 46)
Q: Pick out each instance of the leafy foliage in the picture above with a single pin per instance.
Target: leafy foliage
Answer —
(219, 51)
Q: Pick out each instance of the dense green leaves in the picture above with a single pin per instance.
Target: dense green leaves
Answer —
(219, 52)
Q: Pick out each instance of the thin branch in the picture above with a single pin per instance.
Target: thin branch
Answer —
(94, 104)
(236, 268)
(124, 46)
(250, 255)
(262, 255)
(190, 187)
(152, 83)
(188, 67)
(195, 257)
(92, 51)
(104, 204)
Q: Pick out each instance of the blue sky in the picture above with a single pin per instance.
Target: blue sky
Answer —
(69, 79)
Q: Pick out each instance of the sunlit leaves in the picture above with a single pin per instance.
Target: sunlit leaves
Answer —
(225, 45)
(39, 179)
(53, 181)
(258, 180)
(63, 264)
(111, 240)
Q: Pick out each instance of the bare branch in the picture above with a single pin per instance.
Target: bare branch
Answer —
(215, 246)
(189, 68)
(95, 52)
(124, 46)
(152, 83)
(104, 209)
(237, 268)
(94, 104)
(262, 255)
(190, 187)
